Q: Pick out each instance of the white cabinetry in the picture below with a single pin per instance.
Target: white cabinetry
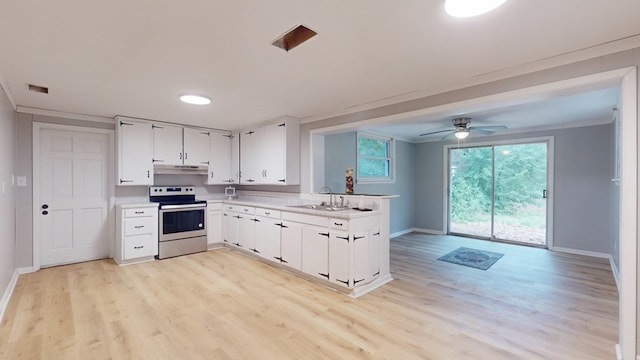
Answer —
(315, 251)
(246, 228)
(214, 224)
(175, 145)
(267, 239)
(135, 149)
(291, 245)
(220, 159)
(230, 225)
(196, 147)
(271, 154)
(167, 144)
(235, 158)
(137, 233)
(340, 258)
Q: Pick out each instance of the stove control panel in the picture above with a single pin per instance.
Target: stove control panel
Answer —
(172, 190)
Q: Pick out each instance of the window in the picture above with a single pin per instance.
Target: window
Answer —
(375, 159)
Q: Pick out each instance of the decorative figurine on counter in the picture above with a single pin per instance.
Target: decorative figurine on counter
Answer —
(349, 181)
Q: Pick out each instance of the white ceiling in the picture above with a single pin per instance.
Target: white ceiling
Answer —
(135, 58)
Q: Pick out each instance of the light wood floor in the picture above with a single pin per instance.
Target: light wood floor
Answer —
(532, 304)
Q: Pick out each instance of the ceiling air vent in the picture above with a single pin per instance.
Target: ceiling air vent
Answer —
(294, 37)
(38, 89)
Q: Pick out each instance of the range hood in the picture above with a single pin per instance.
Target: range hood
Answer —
(180, 169)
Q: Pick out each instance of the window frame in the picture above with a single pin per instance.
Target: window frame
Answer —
(391, 158)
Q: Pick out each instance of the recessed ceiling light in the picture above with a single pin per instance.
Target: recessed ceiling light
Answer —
(195, 99)
(468, 8)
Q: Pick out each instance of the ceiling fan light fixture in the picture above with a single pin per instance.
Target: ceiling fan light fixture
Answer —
(469, 8)
(195, 99)
(461, 134)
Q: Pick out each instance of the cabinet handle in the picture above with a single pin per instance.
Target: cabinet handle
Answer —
(138, 247)
(139, 226)
(357, 237)
(324, 234)
(267, 213)
(185, 156)
(337, 224)
(138, 212)
(148, 174)
(180, 156)
(212, 174)
(324, 275)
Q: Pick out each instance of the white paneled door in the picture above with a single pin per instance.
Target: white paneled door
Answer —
(72, 187)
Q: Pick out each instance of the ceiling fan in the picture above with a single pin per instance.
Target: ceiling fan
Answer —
(461, 129)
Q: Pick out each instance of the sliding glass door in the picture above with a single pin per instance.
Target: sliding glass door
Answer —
(499, 192)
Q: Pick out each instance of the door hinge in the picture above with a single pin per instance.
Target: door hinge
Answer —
(324, 234)
(283, 124)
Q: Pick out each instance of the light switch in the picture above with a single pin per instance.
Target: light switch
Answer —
(22, 181)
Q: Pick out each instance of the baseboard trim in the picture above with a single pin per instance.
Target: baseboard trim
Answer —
(7, 293)
(616, 272)
(26, 270)
(581, 252)
(428, 231)
(400, 233)
(619, 353)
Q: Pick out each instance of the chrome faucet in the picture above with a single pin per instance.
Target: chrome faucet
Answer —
(330, 194)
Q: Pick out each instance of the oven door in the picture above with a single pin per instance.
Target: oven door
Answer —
(182, 222)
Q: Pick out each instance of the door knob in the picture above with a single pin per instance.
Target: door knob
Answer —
(45, 206)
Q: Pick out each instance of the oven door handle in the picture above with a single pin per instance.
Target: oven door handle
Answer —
(185, 206)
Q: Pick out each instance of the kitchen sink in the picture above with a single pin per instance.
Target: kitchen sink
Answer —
(320, 207)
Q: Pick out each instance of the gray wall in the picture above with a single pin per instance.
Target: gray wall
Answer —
(7, 193)
(582, 179)
(340, 153)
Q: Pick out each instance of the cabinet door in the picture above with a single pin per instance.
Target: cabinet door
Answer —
(274, 144)
(315, 251)
(361, 267)
(374, 254)
(291, 245)
(235, 159)
(214, 227)
(339, 258)
(167, 144)
(249, 157)
(196, 147)
(135, 153)
(268, 241)
(230, 228)
(219, 159)
(246, 232)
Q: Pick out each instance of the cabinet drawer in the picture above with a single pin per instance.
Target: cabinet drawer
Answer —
(214, 206)
(246, 210)
(137, 226)
(139, 246)
(341, 224)
(274, 214)
(306, 219)
(140, 212)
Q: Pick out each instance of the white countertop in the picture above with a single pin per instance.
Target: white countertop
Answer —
(137, 205)
(341, 214)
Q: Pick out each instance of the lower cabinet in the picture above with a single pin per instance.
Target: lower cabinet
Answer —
(246, 229)
(137, 233)
(214, 224)
(340, 258)
(315, 251)
(291, 245)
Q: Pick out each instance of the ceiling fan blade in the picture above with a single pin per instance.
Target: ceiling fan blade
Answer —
(436, 132)
(448, 136)
(480, 131)
(489, 127)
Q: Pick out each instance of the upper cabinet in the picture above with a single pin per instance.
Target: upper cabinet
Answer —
(220, 171)
(196, 147)
(235, 158)
(271, 154)
(167, 144)
(135, 151)
(175, 145)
